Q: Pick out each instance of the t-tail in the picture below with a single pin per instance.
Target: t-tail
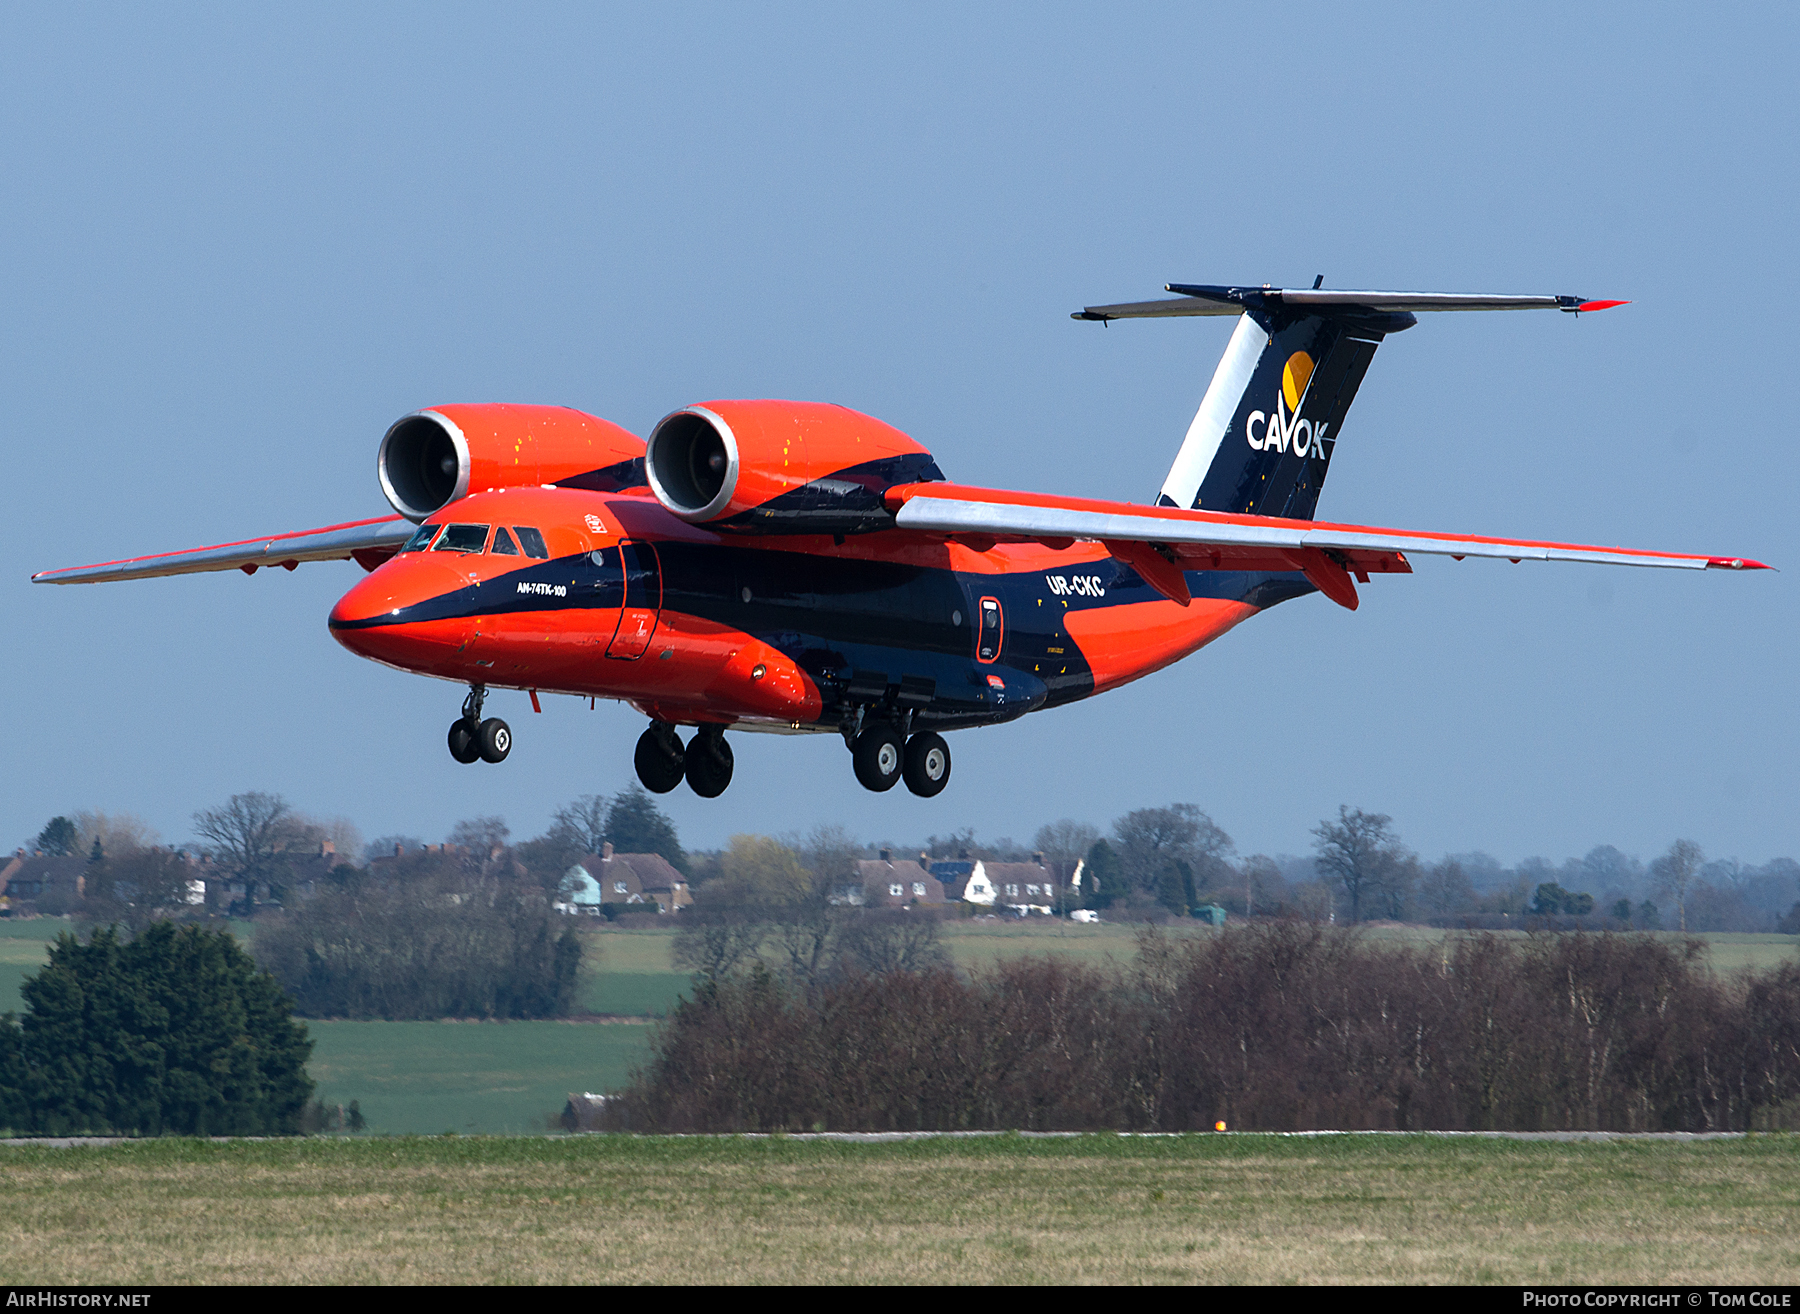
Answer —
(1262, 440)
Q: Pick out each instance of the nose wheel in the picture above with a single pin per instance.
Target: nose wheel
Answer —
(472, 739)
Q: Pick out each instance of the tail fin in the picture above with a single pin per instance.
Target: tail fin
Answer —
(1262, 439)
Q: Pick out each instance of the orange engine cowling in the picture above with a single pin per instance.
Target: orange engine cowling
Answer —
(432, 457)
(779, 467)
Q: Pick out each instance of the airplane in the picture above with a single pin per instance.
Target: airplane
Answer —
(794, 566)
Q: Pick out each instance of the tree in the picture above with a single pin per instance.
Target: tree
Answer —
(145, 886)
(1361, 853)
(1064, 844)
(634, 824)
(116, 833)
(1167, 852)
(251, 836)
(1446, 890)
(175, 1031)
(435, 940)
(1674, 874)
(1102, 878)
(480, 836)
(58, 839)
(582, 824)
(1263, 883)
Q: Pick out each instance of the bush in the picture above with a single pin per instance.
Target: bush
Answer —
(442, 942)
(1281, 1027)
(173, 1032)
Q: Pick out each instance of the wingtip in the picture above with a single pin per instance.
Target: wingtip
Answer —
(1599, 305)
(1735, 563)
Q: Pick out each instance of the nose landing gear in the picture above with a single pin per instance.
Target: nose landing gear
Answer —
(472, 738)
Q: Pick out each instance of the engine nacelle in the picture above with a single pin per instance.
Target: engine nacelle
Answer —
(432, 457)
(780, 467)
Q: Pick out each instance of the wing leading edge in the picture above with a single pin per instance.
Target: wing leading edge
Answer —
(368, 542)
(1181, 540)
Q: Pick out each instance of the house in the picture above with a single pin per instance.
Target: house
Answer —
(28, 877)
(885, 883)
(647, 879)
(1020, 887)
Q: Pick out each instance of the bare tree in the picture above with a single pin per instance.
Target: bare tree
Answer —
(251, 836)
(1446, 890)
(117, 833)
(582, 823)
(1064, 844)
(1674, 874)
(712, 944)
(480, 835)
(1359, 851)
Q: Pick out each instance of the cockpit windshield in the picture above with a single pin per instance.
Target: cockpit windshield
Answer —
(421, 540)
(463, 538)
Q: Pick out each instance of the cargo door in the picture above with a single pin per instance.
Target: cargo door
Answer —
(643, 601)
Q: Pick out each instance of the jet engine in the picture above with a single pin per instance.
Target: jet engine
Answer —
(432, 457)
(780, 467)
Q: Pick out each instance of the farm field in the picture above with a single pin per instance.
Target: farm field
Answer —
(1254, 1209)
(427, 1078)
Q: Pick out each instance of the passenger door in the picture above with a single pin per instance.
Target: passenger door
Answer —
(643, 601)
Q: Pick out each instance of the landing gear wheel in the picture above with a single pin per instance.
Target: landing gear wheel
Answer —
(878, 754)
(494, 740)
(462, 741)
(658, 759)
(927, 764)
(708, 762)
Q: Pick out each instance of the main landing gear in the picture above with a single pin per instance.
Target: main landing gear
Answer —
(882, 758)
(662, 761)
(472, 738)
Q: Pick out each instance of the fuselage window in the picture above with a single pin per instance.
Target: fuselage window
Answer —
(503, 544)
(463, 538)
(532, 542)
(421, 540)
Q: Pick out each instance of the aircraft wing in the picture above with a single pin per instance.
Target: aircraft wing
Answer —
(1161, 542)
(367, 542)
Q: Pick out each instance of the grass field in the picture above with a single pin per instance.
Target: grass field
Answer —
(488, 1077)
(1258, 1209)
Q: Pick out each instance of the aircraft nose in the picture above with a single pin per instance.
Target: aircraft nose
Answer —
(403, 614)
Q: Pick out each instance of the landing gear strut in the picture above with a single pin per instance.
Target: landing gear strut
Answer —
(660, 758)
(708, 761)
(471, 737)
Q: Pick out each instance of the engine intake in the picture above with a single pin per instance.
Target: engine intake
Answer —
(778, 467)
(431, 458)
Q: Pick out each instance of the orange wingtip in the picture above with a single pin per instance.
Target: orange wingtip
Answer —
(1600, 305)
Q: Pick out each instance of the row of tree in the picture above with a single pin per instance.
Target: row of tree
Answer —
(1281, 1026)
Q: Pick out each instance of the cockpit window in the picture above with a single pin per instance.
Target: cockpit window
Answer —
(421, 540)
(532, 542)
(503, 544)
(463, 538)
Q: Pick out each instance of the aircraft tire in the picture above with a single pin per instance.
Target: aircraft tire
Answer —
(462, 741)
(927, 764)
(709, 762)
(879, 758)
(494, 740)
(659, 760)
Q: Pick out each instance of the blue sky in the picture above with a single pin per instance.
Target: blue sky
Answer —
(241, 242)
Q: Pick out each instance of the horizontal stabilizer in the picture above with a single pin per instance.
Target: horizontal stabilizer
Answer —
(369, 542)
(1218, 299)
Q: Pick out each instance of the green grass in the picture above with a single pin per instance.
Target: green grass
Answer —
(1092, 1209)
(494, 1077)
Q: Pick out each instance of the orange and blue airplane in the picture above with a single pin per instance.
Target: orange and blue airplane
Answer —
(791, 566)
